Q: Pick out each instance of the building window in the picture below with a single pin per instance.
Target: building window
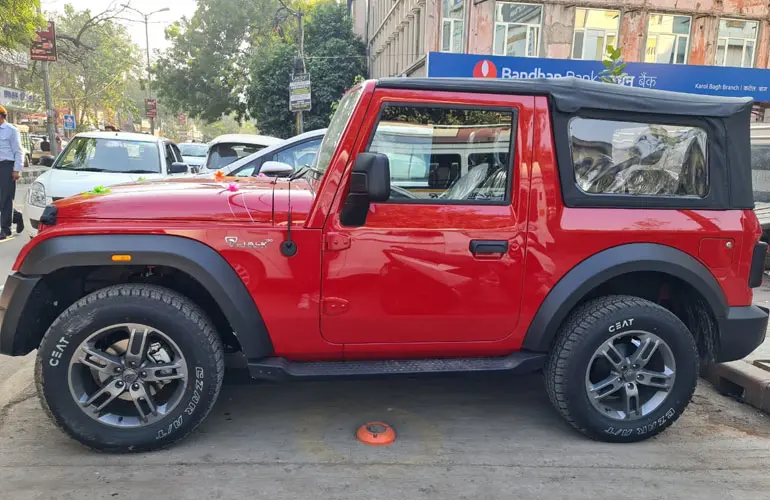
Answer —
(736, 42)
(595, 30)
(517, 29)
(668, 39)
(452, 25)
(643, 159)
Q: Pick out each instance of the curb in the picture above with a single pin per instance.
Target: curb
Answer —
(742, 380)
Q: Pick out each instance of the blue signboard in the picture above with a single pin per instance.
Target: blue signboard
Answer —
(69, 122)
(709, 80)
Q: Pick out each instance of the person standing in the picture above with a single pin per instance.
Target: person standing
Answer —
(11, 163)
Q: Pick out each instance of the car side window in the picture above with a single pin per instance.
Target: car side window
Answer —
(445, 154)
(298, 155)
(246, 170)
(177, 153)
(169, 157)
(643, 159)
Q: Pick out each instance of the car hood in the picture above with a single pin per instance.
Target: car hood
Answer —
(252, 201)
(194, 160)
(64, 183)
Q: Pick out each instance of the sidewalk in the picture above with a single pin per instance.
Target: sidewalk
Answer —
(747, 379)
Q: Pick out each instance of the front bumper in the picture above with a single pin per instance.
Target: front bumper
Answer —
(742, 331)
(16, 324)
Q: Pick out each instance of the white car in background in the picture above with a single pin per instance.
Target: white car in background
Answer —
(194, 153)
(225, 149)
(102, 159)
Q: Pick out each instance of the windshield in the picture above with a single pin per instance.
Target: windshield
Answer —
(196, 150)
(223, 154)
(89, 154)
(337, 127)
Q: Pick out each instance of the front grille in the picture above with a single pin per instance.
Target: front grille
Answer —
(57, 198)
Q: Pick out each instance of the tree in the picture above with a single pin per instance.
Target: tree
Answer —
(335, 56)
(97, 64)
(204, 72)
(18, 20)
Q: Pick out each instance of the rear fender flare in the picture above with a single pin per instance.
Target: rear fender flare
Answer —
(611, 263)
(196, 259)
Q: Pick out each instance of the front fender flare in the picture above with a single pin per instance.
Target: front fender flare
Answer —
(611, 263)
(198, 260)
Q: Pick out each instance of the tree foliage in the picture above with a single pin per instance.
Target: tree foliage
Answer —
(204, 72)
(335, 56)
(97, 68)
(235, 57)
(18, 20)
(614, 67)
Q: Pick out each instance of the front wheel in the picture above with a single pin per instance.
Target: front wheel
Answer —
(129, 368)
(623, 369)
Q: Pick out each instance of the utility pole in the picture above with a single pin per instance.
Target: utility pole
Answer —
(147, 49)
(50, 124)
(299, 61)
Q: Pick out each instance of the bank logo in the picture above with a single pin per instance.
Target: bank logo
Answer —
(485, 69)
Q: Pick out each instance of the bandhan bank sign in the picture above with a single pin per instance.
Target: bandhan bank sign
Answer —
(708, 80)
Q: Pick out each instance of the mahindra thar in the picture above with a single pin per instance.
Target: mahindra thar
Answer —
(601, 234)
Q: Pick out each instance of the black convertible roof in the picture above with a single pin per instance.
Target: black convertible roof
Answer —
(571, 94)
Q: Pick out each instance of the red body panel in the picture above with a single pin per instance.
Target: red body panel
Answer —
(405, 285)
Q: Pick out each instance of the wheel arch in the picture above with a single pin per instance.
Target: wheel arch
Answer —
(193, 258)
(613, 264)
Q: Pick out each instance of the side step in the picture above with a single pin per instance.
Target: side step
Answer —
(281, 368)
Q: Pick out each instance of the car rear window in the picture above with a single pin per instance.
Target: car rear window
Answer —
(644, 159)
(223, 154)
(114, 155)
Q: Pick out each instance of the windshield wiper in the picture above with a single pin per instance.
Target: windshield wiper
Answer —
(304, 170)
(138, 172)
(83, 169)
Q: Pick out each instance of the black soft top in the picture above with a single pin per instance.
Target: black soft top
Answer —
(572, 94)
(726, 119)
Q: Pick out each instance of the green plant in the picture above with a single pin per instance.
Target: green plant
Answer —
(614, 66)
(97, 190)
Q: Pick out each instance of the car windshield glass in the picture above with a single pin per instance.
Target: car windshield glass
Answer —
(92, 154)
(196, 150)
(336, 127)
(223, 154)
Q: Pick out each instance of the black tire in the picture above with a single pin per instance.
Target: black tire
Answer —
(594, 323)
(175, 315)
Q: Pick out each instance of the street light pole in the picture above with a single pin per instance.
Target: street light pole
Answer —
(147, 49)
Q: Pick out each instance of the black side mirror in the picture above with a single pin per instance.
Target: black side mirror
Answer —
(47, 160)
(369, 182)
(178, 168)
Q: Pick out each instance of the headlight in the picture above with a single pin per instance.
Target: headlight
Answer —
(37, 197)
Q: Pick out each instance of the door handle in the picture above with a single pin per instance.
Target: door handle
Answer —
(489, 247)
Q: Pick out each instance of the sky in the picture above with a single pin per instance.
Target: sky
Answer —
(158, 22)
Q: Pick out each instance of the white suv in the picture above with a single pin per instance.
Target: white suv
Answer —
(102, 159)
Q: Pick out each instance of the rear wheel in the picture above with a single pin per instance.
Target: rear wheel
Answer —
(623, 369)
(130, 368)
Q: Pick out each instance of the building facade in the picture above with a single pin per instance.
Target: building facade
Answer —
(400, 33)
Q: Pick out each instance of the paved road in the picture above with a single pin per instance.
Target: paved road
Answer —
(477, 438)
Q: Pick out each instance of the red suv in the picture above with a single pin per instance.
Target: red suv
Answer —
(602, 234)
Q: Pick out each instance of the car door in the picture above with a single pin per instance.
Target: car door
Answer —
(443, 259)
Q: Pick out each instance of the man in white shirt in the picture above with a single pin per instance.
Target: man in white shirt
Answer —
(11, 163)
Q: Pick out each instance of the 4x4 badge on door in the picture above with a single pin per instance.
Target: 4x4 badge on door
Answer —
(234, 243)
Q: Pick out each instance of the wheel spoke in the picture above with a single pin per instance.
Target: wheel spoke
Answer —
(136, 347)
(105, 395)
(611, 354)
(644, 352)
(651, 378)
(99, 360)
(140, 394)
(163, 372)
(608, 386)
(632, 406)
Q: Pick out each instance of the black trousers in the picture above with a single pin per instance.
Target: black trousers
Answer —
(7, 194)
